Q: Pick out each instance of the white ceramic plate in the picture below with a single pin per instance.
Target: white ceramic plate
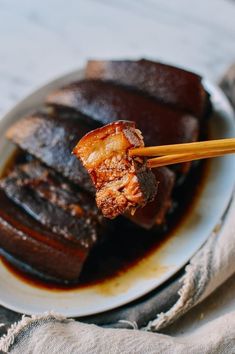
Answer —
(154, 269)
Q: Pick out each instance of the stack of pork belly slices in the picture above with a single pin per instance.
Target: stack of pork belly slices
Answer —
(54, 226)
(50, 220)
(59, 223)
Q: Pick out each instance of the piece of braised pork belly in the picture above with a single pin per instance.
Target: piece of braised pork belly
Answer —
(168, 84)
(49, 254)
(54, 202)
(123, 183)
(51, 139)
(106, 102)
(154, 213)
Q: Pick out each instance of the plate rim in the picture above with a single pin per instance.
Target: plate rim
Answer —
(212, 88)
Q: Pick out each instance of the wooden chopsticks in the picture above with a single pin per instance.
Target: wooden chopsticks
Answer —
(180, 158)
(179, 153)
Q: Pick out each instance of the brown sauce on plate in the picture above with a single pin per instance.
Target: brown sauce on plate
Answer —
(127, 245)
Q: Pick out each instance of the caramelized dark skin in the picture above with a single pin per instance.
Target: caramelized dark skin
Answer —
(47, 252)
(154, 213)
(54, 202)
(51, 139)
(170, 85)
(106, 103)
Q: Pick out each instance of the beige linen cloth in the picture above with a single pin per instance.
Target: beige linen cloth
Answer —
(209, 268)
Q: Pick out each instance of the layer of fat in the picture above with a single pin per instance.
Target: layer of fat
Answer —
(99, 150)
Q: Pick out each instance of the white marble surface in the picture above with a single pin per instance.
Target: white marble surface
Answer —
(40, 40)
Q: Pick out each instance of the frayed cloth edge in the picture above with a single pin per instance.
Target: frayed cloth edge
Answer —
(189, 295)
(8, 339)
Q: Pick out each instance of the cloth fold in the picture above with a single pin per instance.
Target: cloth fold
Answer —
(54, 334)
(212, 265)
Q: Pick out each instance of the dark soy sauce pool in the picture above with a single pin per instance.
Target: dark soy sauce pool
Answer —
(127, 244)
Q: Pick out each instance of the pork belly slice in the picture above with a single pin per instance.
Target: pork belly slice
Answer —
(106, 102)
(28, 241)
(53, 202)
(51, 139)
(154, 213)
(123, 183)
(170, 85)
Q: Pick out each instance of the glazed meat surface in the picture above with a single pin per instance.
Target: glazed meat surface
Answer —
(170, 85)
(154, 213)
(51, 139)
(123, 183)
(54, 202)
(106, 102)
(27, 240)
